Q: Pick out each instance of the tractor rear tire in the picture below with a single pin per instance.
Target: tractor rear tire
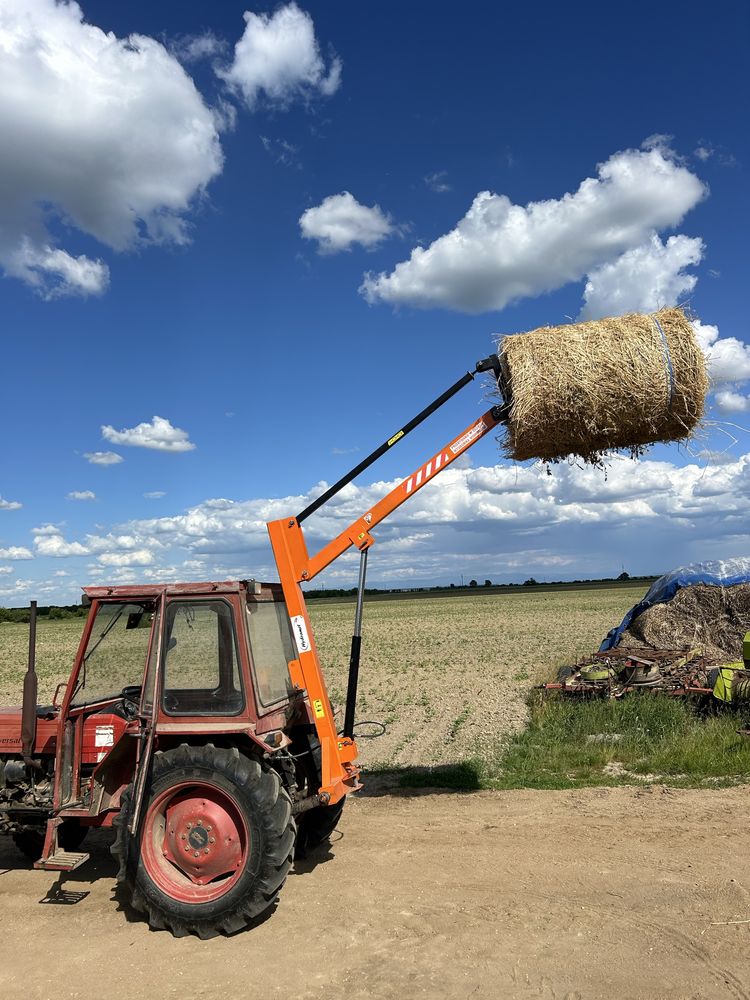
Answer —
(214, 843)
(316, 825)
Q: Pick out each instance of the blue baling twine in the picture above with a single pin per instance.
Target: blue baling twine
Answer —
(668, 361)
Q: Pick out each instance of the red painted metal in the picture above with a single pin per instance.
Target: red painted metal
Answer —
(195, 842)
(10, 732)
(100, 733)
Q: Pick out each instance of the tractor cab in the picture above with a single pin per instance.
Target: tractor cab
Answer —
(156, 667)
(172, 662)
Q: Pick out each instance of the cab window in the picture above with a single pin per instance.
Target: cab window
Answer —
(201, 666)
(272, 649)
(115, 656)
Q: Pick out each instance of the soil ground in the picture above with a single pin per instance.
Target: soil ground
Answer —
(610, 893)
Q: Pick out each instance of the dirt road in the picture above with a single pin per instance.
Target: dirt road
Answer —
(612, 893)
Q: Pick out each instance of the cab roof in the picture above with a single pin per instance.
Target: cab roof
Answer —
(252, 588)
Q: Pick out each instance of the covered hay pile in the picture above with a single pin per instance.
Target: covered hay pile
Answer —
(589, 388)
(712, 618)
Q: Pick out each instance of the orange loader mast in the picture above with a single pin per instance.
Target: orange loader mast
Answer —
(339, 770)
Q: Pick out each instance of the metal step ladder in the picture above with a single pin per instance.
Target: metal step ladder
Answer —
(62, 861)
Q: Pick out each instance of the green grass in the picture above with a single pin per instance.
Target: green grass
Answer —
(578, 744)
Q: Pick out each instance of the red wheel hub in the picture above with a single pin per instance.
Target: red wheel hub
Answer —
(195, 842)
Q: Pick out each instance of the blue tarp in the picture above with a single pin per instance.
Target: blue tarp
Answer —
(720, 573)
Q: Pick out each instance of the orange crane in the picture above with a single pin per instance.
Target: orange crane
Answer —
(296, 566)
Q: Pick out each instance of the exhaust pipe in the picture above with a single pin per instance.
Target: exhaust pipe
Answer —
(28, 712)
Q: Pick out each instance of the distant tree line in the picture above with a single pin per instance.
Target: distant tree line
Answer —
(62, 612)
(51, 613)
(531, 582)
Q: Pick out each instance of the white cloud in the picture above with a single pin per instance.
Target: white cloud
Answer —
(49, 541)
(155, 495)
(5, 570)
(340, 220)
(109, 136)
(732, 402)
(136, 557)
(103, 457)
(500, 521)
(10, 504)
(159, 434)
(55, 273)
(652, 512)
(728, 358)
(501, 252)
(438, 182)
(81, 495)
(195, 48)
(278, 56)
(643, 279)
(16, 552)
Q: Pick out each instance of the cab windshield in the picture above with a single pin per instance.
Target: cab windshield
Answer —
(115, 656)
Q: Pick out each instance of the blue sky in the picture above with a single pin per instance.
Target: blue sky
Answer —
(187, 220)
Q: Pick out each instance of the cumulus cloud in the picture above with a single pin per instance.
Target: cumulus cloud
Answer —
(49, 541)
(10, 504)
(110, 137)
(103, 457)
(493, 511)
(643, 279)
(501, 521)
(5, 570)
(136, 557)
(81, 495)
(55, 273)
(278, 57)
(728, 357)
(159, 434)
(340, 221)
(16, 552)
(732, 402)
(501, 252)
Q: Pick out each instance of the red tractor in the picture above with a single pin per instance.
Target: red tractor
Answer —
(196, 722)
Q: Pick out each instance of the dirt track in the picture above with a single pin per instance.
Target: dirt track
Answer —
(601, 893)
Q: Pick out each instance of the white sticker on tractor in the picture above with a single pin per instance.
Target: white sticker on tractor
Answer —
(104, 736)
(471, 435)
(300, 634)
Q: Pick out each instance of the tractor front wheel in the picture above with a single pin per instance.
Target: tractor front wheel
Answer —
(214, 843)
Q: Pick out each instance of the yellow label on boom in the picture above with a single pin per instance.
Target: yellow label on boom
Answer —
(395, 438)
(318, 709)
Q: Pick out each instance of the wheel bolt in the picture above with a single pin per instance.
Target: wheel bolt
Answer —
(212, 840)
(187, 847)
(195, 854)
(208, 828)
(183, 836)
(190, 826)
(206, 851)
(199, 822)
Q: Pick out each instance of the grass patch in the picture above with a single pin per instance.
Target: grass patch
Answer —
(579, 744)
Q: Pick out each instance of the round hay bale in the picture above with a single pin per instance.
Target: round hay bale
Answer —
(712, 618)
(590, 388)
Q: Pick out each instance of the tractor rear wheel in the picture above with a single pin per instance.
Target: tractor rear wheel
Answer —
(214, 844)
(316, 825)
